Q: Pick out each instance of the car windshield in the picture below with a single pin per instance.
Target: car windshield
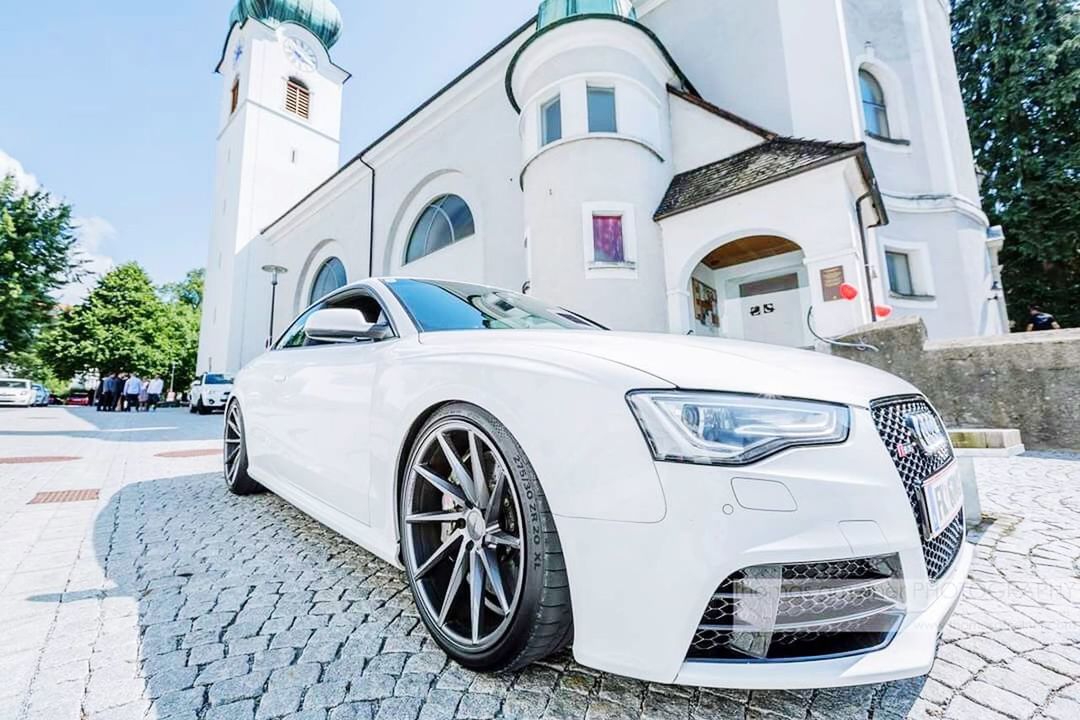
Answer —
(20, 384)
(217, 380)
(442, 305)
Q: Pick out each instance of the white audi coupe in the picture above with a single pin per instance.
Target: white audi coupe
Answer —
(680, 510)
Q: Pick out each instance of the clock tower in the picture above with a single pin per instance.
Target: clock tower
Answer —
(278, 139)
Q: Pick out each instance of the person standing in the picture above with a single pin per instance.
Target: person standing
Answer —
(1039, 320)
(144, 396)
(156, 387)
(132, 388)
(104, 393)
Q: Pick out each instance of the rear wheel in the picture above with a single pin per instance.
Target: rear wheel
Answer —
(479, 543)
(236, 458)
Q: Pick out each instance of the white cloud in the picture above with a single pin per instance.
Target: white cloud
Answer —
(11, 166)
(92, 233)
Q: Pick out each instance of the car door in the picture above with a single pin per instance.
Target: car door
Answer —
(265, 415)
(327, 397)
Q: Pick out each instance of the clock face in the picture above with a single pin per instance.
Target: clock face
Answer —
(300, 55)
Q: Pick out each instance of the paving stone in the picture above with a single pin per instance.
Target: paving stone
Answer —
(224, 669)
(325, 695)
(278, 702)
(1003, 701)
(243, 710)
(170, 680)
(353, 711)
(238, 688)
(398, 708)
(373, 686)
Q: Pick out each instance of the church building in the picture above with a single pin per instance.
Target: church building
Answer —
(729, 168)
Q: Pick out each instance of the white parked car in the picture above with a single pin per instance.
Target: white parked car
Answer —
(17, 392)
(682, 510)
(210, 393)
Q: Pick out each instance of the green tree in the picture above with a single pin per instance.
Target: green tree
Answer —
(123, 325)
(36, 258)
(181, 334)
(126, 325)
(1019, 63)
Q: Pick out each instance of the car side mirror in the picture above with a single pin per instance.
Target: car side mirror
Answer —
(343, 325)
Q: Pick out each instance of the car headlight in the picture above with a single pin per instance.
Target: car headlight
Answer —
(709, 428)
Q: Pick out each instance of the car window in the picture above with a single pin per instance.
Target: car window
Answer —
(443, 305)
(14, 384)
(294, 336)
(218, 380)
(361, 300)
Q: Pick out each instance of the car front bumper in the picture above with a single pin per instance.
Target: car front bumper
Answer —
(639, 589)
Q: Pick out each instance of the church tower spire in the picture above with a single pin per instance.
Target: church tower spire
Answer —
(278, 137)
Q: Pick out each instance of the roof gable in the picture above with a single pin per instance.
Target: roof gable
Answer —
(763, 164)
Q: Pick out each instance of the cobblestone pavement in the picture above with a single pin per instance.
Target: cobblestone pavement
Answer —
(167, 598)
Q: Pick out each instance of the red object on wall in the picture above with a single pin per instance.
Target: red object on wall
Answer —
(848, 291)
(883, 311)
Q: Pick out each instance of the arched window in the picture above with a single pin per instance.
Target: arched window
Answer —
(874, 109)
(298, 98)
(445, 221)
(330, 277)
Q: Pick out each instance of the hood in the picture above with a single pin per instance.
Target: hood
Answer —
(697, 363)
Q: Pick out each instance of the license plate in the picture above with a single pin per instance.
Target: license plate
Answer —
(943, 499)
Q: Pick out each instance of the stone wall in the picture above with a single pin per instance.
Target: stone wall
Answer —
(1029, 381)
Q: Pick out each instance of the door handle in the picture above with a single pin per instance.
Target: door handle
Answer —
(280, 378)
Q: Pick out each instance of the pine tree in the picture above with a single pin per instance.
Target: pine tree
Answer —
(36, 258)
(1019, 63)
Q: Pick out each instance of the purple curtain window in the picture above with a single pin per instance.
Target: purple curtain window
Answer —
(608, 239)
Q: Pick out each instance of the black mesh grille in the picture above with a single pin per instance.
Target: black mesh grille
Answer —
(824, 609)
(916, 466)
(942, 551)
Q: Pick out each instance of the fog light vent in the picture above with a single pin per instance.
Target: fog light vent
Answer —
(810, 610)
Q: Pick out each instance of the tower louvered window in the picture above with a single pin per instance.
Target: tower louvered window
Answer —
(235, 101)
(298, 98)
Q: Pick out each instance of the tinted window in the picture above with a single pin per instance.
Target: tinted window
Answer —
(874, 110)
(14, 384)
(330, 277)
(440, 305)
(602, 110)
(217, 380)
(551, 122)
(294, 336)
(446, 220)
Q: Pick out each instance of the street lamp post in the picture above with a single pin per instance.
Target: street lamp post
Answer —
(275, 271)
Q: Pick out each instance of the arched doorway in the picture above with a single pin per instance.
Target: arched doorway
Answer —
(753, 288)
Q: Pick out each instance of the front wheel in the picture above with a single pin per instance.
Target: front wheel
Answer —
(479, 544)
(237, 478)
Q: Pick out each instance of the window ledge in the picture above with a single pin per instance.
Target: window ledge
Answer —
(912, 298)
(888, 140)
(612, 266)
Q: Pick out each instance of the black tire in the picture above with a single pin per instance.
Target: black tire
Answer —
(202, 409)
(541, 623)
(237, 478)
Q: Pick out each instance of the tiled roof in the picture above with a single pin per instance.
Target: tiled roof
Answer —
(762, 164)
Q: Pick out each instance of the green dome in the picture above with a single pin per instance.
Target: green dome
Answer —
(321, 17)
(552, 11)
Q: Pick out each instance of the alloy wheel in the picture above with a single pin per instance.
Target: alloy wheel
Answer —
(463, 534)
(234, 443)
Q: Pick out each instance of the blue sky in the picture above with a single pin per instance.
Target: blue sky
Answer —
(117, 103)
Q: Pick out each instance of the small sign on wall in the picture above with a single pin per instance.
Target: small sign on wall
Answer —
(831, 280)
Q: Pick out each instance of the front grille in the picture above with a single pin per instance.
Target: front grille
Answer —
(811, 610)
(942, 551)
(915, 466)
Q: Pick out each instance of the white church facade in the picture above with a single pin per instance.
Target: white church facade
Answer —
(720, 167)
